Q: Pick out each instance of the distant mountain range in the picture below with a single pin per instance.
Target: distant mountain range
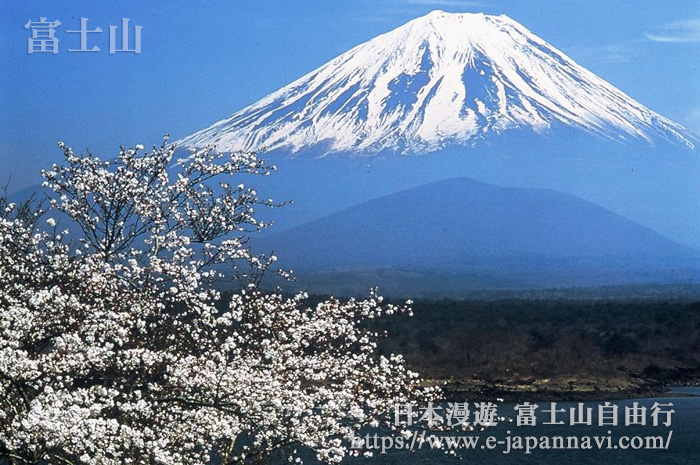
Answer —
(461, 150)
(465, 95)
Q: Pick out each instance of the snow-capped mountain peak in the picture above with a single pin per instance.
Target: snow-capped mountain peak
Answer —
(441, 79)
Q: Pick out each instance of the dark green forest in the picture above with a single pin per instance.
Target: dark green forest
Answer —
(556, 348)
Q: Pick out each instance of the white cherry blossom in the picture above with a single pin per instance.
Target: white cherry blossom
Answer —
(117, 345)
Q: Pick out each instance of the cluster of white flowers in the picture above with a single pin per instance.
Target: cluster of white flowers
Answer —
(117, 348)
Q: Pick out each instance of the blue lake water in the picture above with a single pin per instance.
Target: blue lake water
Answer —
(684, 446)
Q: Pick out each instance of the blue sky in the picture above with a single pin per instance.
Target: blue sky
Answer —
(201, 61)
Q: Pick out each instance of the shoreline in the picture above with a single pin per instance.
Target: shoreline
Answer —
(478, 392)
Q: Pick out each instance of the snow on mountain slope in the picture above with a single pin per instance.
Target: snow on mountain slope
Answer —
(442, 79)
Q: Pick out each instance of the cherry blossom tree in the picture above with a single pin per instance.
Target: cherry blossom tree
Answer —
(117, 347)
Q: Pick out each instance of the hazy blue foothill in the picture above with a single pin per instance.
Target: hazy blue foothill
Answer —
(464, 228)
(460, 217)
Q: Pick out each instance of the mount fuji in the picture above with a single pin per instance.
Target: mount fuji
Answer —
(439, 80)
(457, 95)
